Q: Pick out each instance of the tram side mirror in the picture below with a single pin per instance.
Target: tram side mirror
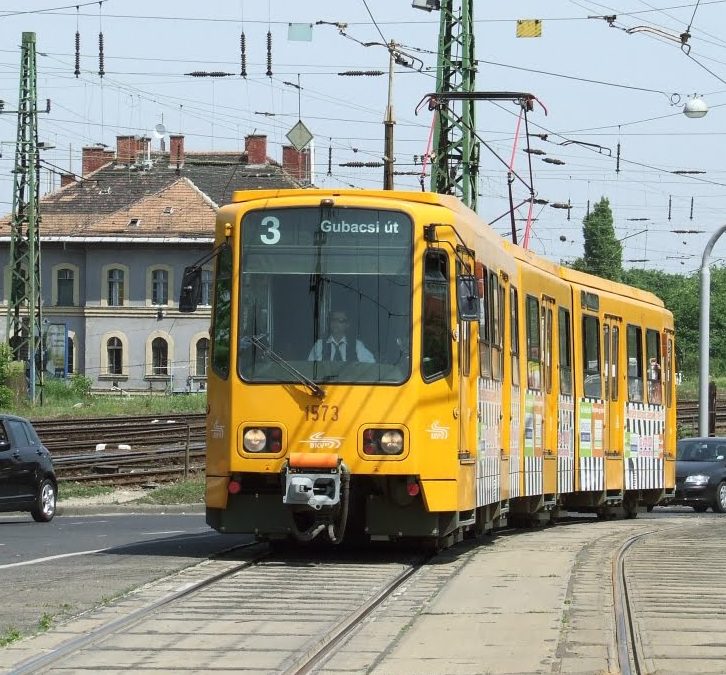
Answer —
(467, 297)
(191, 289)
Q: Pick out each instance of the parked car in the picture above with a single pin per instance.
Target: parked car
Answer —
(701, 473)
(27, 478)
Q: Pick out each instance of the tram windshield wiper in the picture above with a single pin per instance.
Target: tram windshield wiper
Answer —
(276, 358)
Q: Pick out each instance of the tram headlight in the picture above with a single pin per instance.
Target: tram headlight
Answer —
(392, 442)
(254, 440)
(382, 442)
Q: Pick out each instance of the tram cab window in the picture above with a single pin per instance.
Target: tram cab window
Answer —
(653, 354)
(436, 331)
(635, 363)
(222, 313)
(302, 269)
(591, 357)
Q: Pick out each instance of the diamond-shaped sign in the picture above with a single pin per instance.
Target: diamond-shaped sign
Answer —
(299, 136)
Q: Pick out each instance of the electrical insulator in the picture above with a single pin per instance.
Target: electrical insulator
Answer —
(77, 71)
(101, 71)
(330, 160)
(552, 160)
(269, 54)
(243, 54)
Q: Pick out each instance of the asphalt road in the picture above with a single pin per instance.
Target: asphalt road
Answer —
(51, 571)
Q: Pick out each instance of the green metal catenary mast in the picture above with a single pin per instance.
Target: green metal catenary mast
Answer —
(24, 319)
(455, 161)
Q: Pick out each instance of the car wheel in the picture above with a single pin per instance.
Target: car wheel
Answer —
(700, 508)
(44, 508)
(719, 506)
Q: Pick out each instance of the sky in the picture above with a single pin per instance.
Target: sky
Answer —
(601, 84)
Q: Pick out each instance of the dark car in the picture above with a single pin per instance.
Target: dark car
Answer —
(701, 473)
(27, 479)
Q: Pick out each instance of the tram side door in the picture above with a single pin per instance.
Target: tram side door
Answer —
(613, 440)
(550, 394)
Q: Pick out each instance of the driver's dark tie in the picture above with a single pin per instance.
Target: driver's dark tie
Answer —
(335, 348)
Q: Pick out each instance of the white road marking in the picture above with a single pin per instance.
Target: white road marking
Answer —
(52, 557)
(164, 532)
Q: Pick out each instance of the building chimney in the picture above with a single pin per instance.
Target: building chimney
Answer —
(297, 164)
(94, 157)
(176, 150)
(256, 148)
(126, 149)
(143, 147)
(67, 179)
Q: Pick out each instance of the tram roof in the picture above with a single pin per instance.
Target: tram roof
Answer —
(428, 198)
(454, 204)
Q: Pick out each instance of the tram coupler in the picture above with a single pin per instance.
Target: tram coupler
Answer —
(312, 480)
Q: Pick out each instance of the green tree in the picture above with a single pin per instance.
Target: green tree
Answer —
(6, 394)
(680, 295)
(603, 254)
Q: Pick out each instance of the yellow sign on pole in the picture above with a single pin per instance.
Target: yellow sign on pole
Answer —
(529, 28)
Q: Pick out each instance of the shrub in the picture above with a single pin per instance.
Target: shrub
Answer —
(80, 385)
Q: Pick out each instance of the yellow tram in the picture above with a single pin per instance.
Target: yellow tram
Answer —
(383, 364)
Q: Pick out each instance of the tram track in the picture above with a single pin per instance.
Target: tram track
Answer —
(289, 613)
(669, 592)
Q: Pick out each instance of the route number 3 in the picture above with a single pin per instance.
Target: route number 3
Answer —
(272, 236)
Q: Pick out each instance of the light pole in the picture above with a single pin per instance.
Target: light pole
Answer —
(704, 334)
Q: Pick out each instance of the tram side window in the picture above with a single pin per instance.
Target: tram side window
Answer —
(485, 326)
(591, 357)
(548, 350)
(668, 374)
(606, 348)
(534, 347)
(615, 366)
(514, 333)
(497, 309)
(635, 363)
(653, 352)
(222, 313)
(436, 348)
(565, 355)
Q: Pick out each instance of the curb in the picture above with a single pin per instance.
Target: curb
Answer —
(127, 509)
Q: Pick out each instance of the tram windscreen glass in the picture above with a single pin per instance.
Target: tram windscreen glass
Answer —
(328, 291)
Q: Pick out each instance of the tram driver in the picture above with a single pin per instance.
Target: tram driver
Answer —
(336, 346)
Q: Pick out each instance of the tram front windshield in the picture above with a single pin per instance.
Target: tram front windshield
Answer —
(326, 291)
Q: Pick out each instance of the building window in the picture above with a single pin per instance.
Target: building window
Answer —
(159, 287)
(206, 287)
(159, 357)
(115, 287)
(69, 355)
(114, 351)
(202, 357)
(65, 287)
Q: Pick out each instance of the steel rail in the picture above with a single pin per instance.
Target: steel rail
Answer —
(320, 649)
(626, 634)
(66, 649)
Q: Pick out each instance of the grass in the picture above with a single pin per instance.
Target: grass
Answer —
(11, 635)
(70, 490)
(72, 398)
(190, 491)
